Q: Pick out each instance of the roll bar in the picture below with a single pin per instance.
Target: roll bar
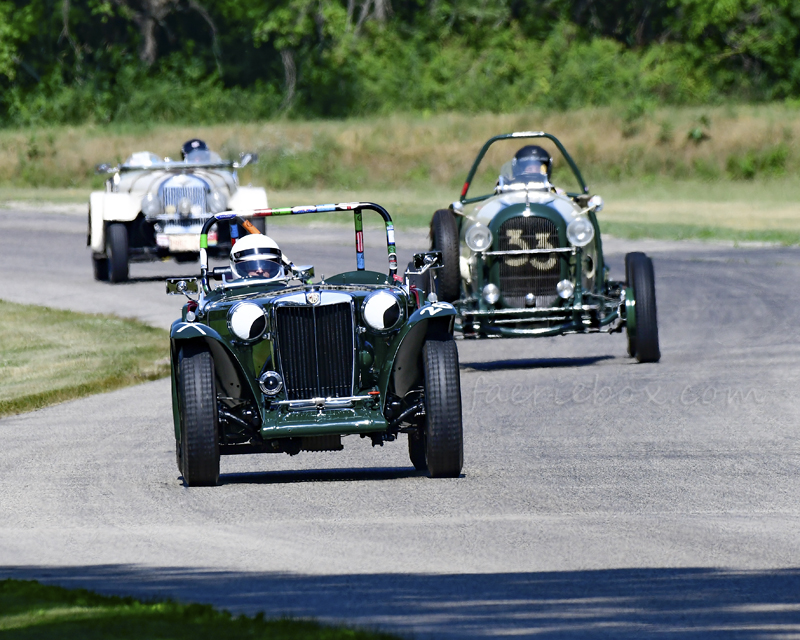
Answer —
(242, 217)
(518, 134)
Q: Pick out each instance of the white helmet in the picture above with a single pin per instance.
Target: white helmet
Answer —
(256, 255)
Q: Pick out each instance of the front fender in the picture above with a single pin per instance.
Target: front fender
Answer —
(231, 380)
(401, 370)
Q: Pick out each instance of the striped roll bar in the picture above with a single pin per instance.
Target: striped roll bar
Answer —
(356, 207)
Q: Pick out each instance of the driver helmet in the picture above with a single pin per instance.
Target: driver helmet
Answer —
(530, 163)
(195, 144)
(256, 256)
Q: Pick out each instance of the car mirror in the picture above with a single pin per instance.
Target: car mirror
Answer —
(247, 158)
(596, 203)
(425, 261)
(304, 273)
(182, 286)
(103, 168)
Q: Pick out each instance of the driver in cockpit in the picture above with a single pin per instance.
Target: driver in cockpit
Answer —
(531, 164)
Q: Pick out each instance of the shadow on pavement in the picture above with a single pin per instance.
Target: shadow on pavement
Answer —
(319, 475)
(614, 603)
(534, 363)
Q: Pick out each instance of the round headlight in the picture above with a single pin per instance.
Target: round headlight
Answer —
(565, 289)
(184, 206)
(580, 232)
(491, 293)
(382, 311)
(271, 383)
(247, 321)
(217, 202)
(478, 238)
(151, 206)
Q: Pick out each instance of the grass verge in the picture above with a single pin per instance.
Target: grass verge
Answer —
(32, 610)
(49, 356)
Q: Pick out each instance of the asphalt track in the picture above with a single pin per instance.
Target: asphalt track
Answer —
(600, 498)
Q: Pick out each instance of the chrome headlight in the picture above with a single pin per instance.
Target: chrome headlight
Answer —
(151, 206)
(565, 289)
(580, 232)
(382, 311)
(491, 293)
(247, 321)
(217, 202)
(478, 238)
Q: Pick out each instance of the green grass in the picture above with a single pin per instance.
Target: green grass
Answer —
(31, 610)
(49, 356)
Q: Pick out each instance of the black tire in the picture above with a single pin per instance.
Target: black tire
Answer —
(117, 251)
(416, 451)
(100, 268)
(642, 280)
(199, 453)
(444, 238)
(444, 435)
(628, 257)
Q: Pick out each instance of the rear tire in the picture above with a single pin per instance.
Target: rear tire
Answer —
(444, 238)
(444, 435)
(199, 454)
(642, 280)
(117, 252)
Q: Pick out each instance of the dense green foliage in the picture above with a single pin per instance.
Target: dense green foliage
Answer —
(32, 610)
(68, 61)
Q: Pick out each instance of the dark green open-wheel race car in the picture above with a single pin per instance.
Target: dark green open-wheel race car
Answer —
(526, 259)
(289, 365)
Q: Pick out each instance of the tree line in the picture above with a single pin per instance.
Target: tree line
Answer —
(71, 61)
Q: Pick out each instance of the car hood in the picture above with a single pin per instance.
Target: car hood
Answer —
(484, 212)
(149, 180)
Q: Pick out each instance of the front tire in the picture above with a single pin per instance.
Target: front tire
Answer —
(444, 435)
(199, 454)
(642, 281)
(117, 251)
(444, 238)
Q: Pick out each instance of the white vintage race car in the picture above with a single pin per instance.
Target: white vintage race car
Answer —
(155, 208)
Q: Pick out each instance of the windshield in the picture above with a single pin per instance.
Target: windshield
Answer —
(203, 156)
(142, 159)
(496, 168)
(512, 172)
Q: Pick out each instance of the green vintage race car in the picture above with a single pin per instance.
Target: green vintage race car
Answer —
(289, 365)
(526, 258)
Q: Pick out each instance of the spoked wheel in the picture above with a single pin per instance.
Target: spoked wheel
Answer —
(199, 453)
(643, 331)
(416, 451)
(444, 435)
(117, 252)
(444, 238)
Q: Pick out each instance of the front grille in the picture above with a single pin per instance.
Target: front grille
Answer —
(523, 274)
(315, 344)
(173, 195)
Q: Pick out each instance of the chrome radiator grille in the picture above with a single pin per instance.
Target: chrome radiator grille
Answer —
(523, 274)
(173, 195)
(315, 344)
